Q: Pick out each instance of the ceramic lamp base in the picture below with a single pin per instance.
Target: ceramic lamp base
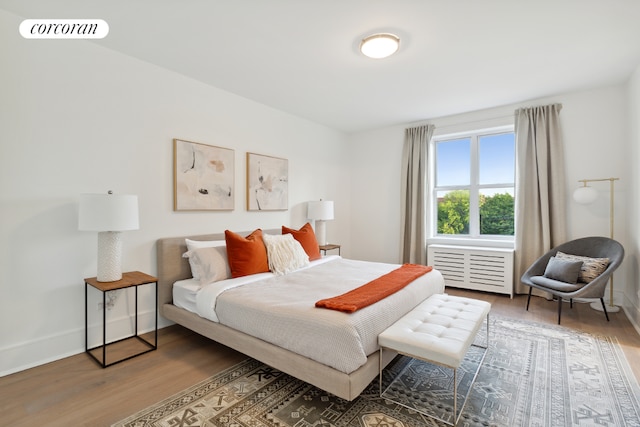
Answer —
(321, 232)
(109, 256)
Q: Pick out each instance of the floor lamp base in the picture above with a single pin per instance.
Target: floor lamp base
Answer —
(597, 305)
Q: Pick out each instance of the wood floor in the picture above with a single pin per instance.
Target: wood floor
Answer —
(77, 392)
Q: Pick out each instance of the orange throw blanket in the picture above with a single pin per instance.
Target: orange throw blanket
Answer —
(375, 290)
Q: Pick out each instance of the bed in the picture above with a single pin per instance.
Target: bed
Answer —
(345, 381)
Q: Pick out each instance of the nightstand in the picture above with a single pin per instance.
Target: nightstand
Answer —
(130, 279)
(329, 247)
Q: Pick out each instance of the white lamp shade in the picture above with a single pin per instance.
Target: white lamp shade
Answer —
(320, 210)
(585, 195)
(108, 212)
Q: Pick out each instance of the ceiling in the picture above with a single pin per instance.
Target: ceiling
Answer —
(301, 56)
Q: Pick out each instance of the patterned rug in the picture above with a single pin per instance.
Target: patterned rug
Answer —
(532, 375)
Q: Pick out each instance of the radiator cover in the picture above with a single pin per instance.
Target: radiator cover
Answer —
(477, 268)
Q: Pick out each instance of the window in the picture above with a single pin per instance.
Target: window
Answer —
(473, 192)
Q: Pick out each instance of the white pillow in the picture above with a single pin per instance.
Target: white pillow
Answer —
(193, 244)
(209, 265)
(285, 253)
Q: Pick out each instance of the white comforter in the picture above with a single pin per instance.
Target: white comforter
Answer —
(281, 309)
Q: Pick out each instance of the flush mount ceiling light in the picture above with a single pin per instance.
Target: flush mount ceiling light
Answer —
(380, 45)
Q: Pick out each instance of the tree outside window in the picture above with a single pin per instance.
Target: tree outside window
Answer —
(474, 185)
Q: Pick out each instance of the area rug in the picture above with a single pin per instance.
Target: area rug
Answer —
(532, 375)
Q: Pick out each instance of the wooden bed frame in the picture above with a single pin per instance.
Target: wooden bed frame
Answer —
(172, 267)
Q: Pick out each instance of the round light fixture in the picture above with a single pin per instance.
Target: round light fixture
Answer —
(380, 45)
(585, 195)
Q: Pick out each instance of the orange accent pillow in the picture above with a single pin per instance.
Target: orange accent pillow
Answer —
(307, 239)
(247, 255)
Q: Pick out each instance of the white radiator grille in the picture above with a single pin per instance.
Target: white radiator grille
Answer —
(484, 269)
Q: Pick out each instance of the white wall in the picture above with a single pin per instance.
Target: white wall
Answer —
(375, 161)
(632, 291)
(595, 126)
(77, 118)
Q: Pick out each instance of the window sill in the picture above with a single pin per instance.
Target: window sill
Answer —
(463, 241)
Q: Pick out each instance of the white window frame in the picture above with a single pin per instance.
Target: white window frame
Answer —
(474, 236)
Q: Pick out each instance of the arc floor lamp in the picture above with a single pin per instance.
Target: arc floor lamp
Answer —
(586, 195)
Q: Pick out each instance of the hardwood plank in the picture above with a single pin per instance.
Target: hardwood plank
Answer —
(77, 391)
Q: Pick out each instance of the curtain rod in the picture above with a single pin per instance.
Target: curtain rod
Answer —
(474, 121)
(511, 116)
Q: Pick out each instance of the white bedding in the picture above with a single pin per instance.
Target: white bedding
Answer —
(185, 291)
(184, 294)
(281, 309)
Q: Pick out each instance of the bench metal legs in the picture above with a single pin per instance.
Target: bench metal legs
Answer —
(456, 415)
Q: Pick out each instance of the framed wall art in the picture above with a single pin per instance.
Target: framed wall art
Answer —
(203, 177)
(267, 183)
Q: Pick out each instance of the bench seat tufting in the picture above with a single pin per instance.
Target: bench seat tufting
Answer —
(440, 330)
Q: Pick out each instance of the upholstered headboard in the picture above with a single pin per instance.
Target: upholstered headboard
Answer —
(172, 267)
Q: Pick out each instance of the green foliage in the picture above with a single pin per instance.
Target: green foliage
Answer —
(453, 213)
(496, 214)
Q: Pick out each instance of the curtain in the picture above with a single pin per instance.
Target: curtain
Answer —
(414, 193)
(540, 218)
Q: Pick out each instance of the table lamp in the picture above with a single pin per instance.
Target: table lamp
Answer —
(320, 211)
(109, 214)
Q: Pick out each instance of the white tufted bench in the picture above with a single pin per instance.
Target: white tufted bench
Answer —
(440, 330)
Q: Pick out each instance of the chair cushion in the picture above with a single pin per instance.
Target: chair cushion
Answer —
(564, 270)
(591, 267)
(556, 285)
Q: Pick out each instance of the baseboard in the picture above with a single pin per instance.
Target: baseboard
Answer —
(32, 353)
(632, 312)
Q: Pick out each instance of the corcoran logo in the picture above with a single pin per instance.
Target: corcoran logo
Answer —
(64, 29)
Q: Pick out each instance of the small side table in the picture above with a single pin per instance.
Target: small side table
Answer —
(329, 247)
(132, 278)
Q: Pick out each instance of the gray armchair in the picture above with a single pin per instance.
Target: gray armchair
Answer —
(593, 247)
